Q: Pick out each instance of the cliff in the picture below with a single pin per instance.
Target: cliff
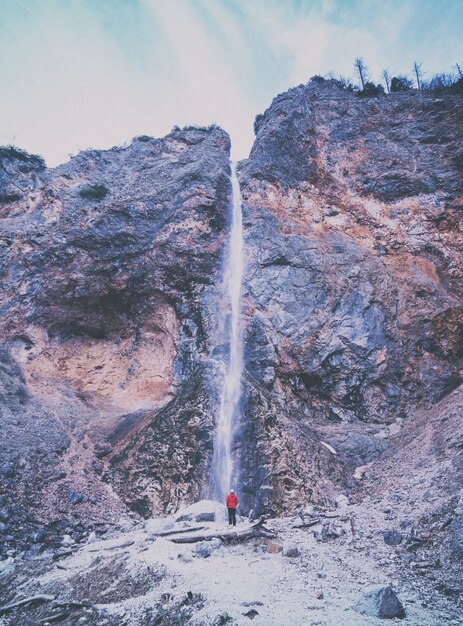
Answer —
(354, 269)
(111, 311)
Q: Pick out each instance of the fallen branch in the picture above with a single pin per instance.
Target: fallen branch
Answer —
(308, 524)
(166, 533)
(14, 605)
(225, 534)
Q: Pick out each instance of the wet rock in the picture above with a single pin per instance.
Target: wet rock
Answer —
(102, 449)
(392, 537)
(381, 602)
(252, 613)
(8, 470)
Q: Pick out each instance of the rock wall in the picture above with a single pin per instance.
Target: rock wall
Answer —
(110, 266)
(354, 259)
(111, 315)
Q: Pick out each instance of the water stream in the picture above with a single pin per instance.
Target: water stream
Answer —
(223, 471)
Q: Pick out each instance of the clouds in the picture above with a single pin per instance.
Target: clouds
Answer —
(79, 73)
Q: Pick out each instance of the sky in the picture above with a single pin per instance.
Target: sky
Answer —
(78, 74)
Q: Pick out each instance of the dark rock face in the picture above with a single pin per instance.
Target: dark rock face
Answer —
(166, 464)
(353, 283)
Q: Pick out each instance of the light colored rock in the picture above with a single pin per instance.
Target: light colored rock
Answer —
(342, 501)
(67, 541)
(203, 549)
(290, 550)
(204, 510)
(158, 525)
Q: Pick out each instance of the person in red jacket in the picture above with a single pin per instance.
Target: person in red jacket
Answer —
(232, 502)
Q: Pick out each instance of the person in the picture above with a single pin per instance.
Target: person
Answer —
(232, 503)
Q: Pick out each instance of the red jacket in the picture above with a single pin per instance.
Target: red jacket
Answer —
(232, 501)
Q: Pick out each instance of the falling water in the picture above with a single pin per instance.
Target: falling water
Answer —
(223, 470)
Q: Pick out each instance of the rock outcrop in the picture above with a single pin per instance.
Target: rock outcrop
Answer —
(353, 284)
(108, 304)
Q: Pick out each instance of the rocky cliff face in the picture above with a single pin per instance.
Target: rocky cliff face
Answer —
(110, 313)
(354, 259)
(108, 304)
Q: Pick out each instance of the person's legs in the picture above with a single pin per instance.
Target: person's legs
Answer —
(234, 516)
(230, 516)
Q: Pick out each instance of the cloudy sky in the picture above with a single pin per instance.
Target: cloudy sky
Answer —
(76, 74)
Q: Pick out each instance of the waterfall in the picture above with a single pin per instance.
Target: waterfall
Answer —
(223, 472)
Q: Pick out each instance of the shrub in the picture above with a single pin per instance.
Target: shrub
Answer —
(94, 192)
(7, 198)
(258, 122)
(18, 154)
(401, 83)
(371, 90)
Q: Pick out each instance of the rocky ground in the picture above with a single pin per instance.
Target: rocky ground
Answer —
(310, 575)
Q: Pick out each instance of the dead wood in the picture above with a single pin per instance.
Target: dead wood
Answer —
(167, 533)
(240, 533)
(14, 605)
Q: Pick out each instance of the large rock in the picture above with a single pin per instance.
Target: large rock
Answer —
(203, 511)
(380, 602)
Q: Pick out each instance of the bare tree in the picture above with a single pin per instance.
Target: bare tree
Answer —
(418, 73)
(362, 70)
(459, 70)
(387, 80)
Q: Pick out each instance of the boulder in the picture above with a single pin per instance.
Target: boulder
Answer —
(158, 525)
(203, 549)
(203, 511)
(381, 602)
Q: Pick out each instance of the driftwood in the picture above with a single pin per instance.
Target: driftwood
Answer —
(167, 533)
(239, 533)
(14, 605)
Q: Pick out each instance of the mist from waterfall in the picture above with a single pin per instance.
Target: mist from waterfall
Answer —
(223, 472)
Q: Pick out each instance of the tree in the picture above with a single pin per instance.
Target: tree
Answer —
(362, 70)
(387, 80)
(459, 70)
(400, 83)
(418, 73)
